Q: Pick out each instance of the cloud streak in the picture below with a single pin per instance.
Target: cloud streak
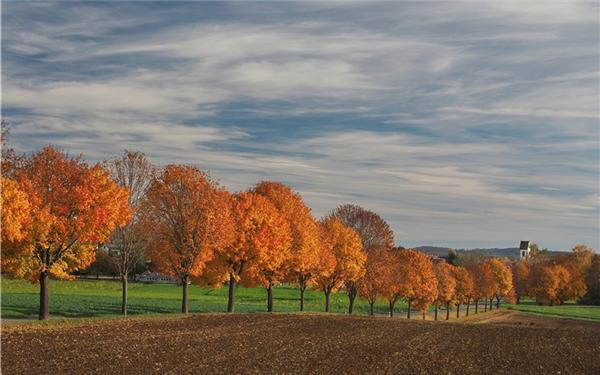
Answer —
(463, 124)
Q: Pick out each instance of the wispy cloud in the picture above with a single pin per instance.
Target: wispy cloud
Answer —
(465, 124)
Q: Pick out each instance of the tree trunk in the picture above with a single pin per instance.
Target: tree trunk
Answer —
(476, 306)
(497, 302)
(436, 308)
(302, 290)
(270, 297)
(184, 302)
(391, 309)
(423, 315)
(408, 310)
(351, 297)
(44, 310)
(468, 307)
(231, 294)
(124, 296)
(371, 305)
(518, 299)
(485, 305)
(327, 293)
(457, 310)
(447, 310)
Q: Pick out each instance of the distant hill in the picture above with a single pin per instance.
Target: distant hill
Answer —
(512, 252)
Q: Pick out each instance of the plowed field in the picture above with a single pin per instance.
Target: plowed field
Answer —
(503, 342)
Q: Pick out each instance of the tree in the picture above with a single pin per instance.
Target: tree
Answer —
(371, 285)
(592, 297)
(548, 282)
(502, 279)
(483, 281)
(521, 282)
(340, 257)
(190, 219)
(73, 208)
(537, 255)
(133, 172)
(453, 257)
(421, 280)
(304, 232)
(374, 233)
(463, 291)
(104, 264)
(577, 263)
(392, 278)
(264, 234)
(446, 284)
(16, 212)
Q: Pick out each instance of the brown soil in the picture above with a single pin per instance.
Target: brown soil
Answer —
(498, 342)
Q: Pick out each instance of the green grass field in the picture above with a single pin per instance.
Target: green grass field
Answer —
(97, 298)
(568, 310)
(102, 298)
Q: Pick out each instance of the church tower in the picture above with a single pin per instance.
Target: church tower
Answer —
(524, 250)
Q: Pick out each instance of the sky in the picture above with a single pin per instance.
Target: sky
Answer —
(463, 124)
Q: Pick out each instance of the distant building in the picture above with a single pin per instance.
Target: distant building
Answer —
(524, 249)
(154, 277)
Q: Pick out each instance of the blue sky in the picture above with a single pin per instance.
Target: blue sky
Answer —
(463, 124)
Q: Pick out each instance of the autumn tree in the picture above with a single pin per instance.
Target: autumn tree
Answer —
(340, 257)
(371, 285)
(482, 283)
(577, 264)
(421, 281)
(304, 232)
(133, 172)
(254, 236)
(537, 255)
(502, 280)
(73, 207)
(390, 278)
(521, 280)
(463, 292)
(189, 218)
(592, 296)
(548, 281)
(446, 284)
(373, 231)
(265, 234)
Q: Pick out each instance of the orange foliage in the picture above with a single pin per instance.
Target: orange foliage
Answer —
(73, 208)
(189, 218)
(372, 283)
(421, 280)
(549, 281)
(264, 234)
(446, 283)
(463, 292)
(15, 211)
(408, 274)
(303, 229)
(501, 278)
(483, 280)
(521, 279)
(577, 263)
(340, 256)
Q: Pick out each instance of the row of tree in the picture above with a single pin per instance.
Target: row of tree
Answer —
(554, 280)
(57, 209)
